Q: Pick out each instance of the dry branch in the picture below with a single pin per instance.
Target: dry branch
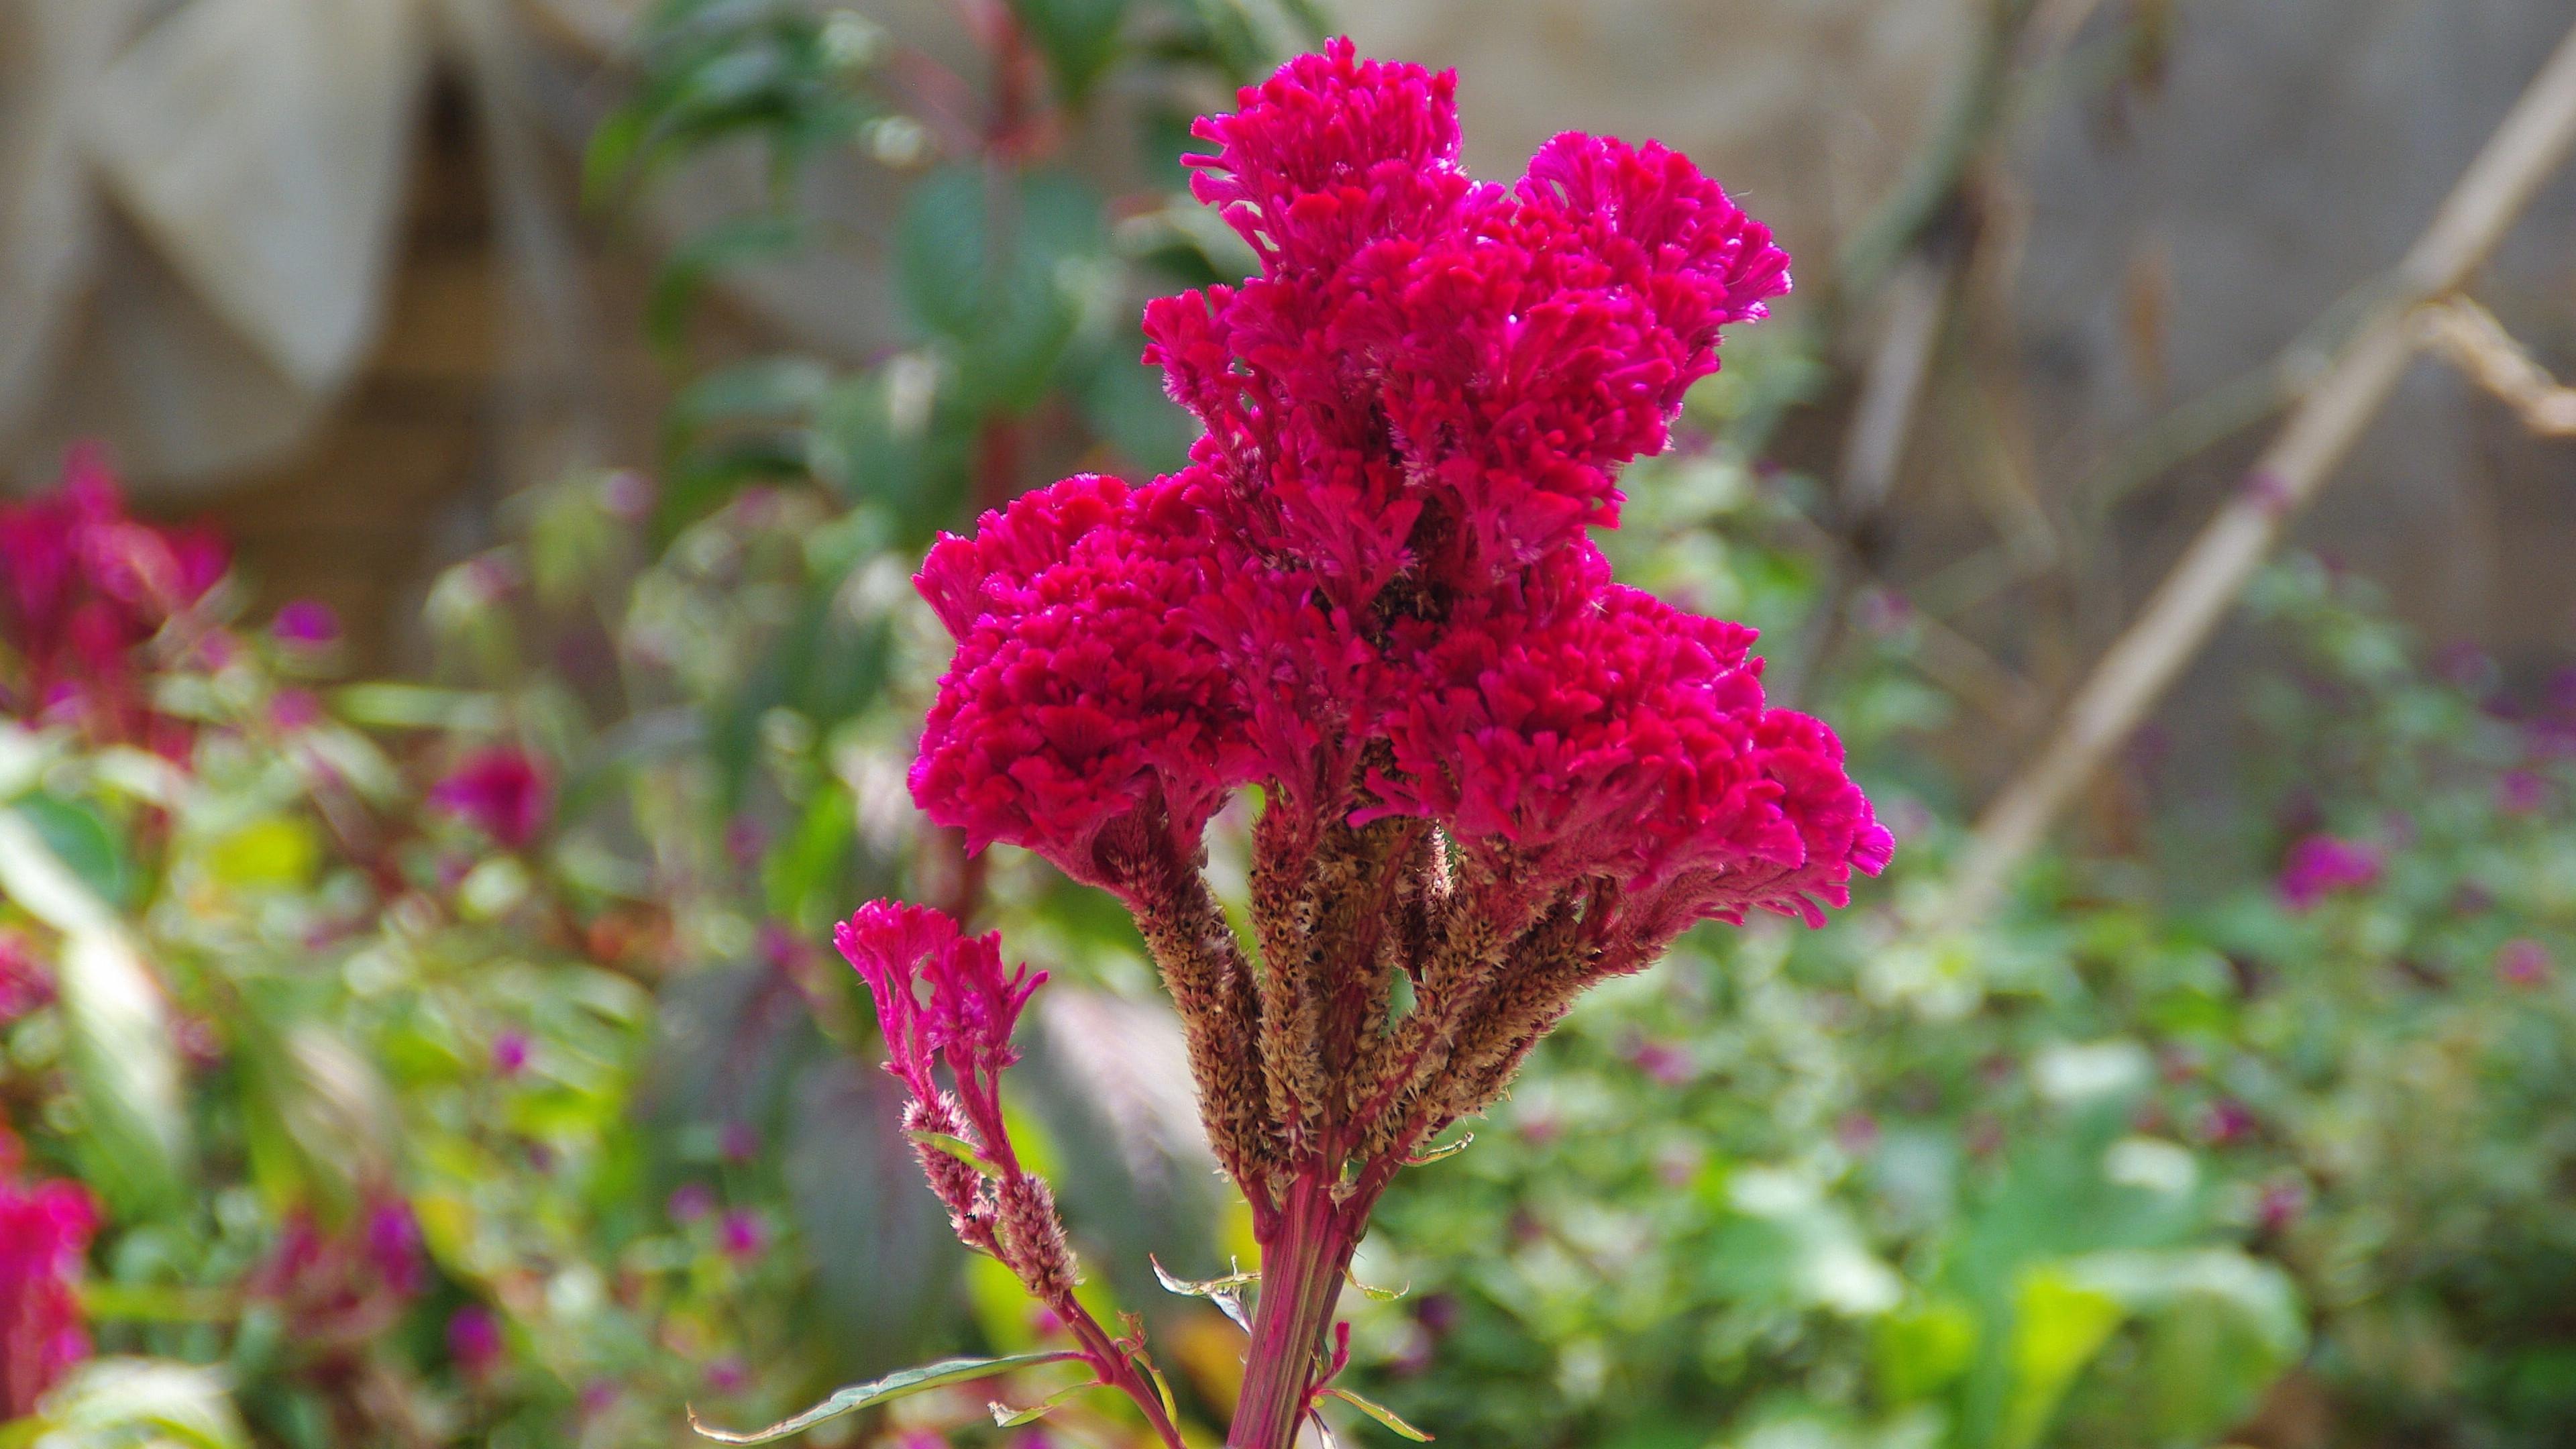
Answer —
(2472, 340)
(2533, 140)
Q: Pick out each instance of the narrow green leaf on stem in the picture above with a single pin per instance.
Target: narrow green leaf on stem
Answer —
(1445, 1149)
(1004, 1416)
(957, 1147)
(878, 1391)
(1381, 1413)
(1378, 1295)
(1206, 1287)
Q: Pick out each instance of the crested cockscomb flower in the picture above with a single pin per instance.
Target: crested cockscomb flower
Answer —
(943, 999)
(1486, 770)
(45, 1228)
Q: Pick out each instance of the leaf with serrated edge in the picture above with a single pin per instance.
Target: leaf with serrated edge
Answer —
(1381, 1413)
(893, 1386)
(957, 1147)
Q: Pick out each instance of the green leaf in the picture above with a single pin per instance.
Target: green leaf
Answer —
(2219, 1327)
(82, 840)
(957, 1147)
(997, 269)
(276, 851)
(684, 277)
(878, 1391)
(2059, 1323)
(1445, 1149)
(1226, 1292)
(1922, 1350)
(1376, 1294)
(418, 707)
(123, 1069)
(940, 249)
(123, 1401)
(1203, 1287)
(1080, 38)
(1381, 1413)
(1006, 1417)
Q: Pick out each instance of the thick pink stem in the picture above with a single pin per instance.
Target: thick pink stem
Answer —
(1302, 1267)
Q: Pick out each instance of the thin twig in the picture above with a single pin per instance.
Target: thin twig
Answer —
(2472, 340)
(2136, 670)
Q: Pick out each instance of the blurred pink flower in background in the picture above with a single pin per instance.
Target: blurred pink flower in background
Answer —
(45, 1228)
(2322, 865)
(502, 791)
(2523, 962)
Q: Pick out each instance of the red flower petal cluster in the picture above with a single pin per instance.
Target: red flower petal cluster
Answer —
(942, 997)
(81, 586)
(502, 790)
(45, 1228)
(1378, 555)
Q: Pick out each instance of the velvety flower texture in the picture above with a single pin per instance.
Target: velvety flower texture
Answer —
(1487, 772)
(942, 997)
(1371, 590)
(45, 1228)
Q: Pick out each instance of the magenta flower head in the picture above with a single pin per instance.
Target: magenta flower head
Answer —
(2522, 962)
(1373, 596)
(740, 1235)
(474, 1340)
(45, 1228)
(2323, 865)
(690, 1201)
(942, 998)
(510, 1052)
(1371, 591)
(306, 624)
(503, 791)
(82, 585)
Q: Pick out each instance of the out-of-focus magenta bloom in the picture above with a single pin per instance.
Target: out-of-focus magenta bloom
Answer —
(2521, 792)
(2281, 1205)
(690, 1201)
(2226, 1121)
(503, 791)
(1379, 547)
(24, 983)
(393, 1245)
(738, 1142)
(45, 1228)
(728, 1374)
(2322, 865)
(343, 1285)
(82, 585)
(2523, 962)
(306, 624)
(510, 1053)
(292, 710)
(1668, 1063)
(740, 1234)
(474, 1340)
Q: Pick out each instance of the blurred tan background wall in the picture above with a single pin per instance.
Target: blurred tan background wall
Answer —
(2171, 224)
